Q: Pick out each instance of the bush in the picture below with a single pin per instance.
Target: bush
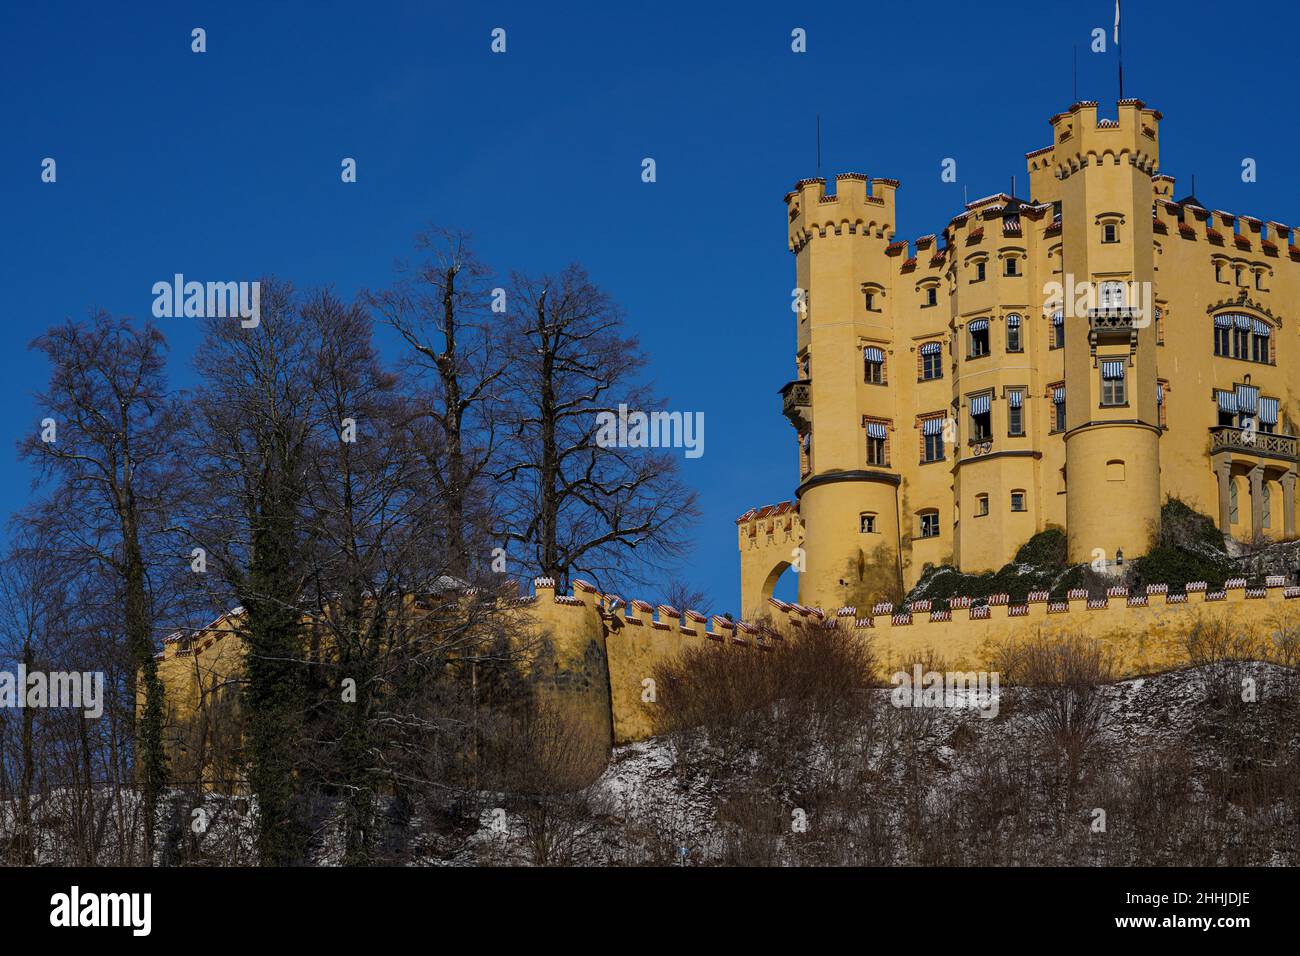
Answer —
(1047, 549)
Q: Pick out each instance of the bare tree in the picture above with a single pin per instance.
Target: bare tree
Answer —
(440, 306)
(579, 506)
(255, 416)
(110, 442)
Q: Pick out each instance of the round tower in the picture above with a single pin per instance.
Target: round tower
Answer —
(1106, 292)
(841, 403)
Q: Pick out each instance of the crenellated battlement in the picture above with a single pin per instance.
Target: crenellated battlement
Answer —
(859, 206)
(1080, 138)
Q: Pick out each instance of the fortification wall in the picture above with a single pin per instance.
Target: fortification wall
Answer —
(594, 653)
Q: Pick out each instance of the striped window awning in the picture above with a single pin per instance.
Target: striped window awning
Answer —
(931, 348)
(980, 404)
(1160, 393)
(873, 354)
(1112, 370)
(1242, 321)
(1016, 398)
(1262, 327)
(1058, 395)
(876, 429)
(1247, 398)
(1222, 321)
(1268, 411)
(1013, 321)
(979, 325)
(1227, 402)
(1058, 318)
(932, 426)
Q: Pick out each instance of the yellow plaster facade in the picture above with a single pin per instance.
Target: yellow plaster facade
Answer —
(1065, 360)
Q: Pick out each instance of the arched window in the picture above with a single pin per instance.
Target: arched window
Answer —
(1243, 337)
(1112, 295)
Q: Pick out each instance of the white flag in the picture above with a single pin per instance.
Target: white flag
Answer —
(1117, 21)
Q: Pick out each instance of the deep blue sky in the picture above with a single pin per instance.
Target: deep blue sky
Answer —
(226, 165)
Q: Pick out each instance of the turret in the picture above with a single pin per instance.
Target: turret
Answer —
(847, 497)
(1104, 171)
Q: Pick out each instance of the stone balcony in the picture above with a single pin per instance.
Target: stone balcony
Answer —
(1263, 444)
(796, 404)
(1115, 319)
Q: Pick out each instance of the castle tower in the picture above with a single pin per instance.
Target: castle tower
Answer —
(848, 491)
(1103, 181)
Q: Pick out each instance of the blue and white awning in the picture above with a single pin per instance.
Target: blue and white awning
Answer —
(1247, 398)
(1160, 393)
(1058, 317)
(1112, 370)
(979, 325)
(1242, 321)
(932, 426)
(876, 429)
(1268, 411)
(1227, 402)
(931, 348)
(1058, 394)
(873, 354)
(1013, 321)
(980, 404)
(1016, 398)
(1262, 327)
(1223, 321)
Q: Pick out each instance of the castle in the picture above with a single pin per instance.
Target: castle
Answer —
(1066, 360)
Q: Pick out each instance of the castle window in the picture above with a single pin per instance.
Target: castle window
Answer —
(1058, 330)
(1013, 333)
(872, 293)
(1112, 295)
(1112, 382)
(1266, 505)
(932, 439)
(1268, 408)
(1232, 501)
(1016, 411)
(1056, 211)
(1058, 402)
(1160, 326)
(979, 338)
(1018, 501)
(1011, 266)
(981, 505)
(932, 295)
(1226, 403)
(1115, 470)
(1218, 271)
(877, 444)
(929, 524)
(1243, 337)
(931, 355)
(981, 417)
(867, 523)
(1161, 410)
(1110, 232)
(873, 365)
(979, 271)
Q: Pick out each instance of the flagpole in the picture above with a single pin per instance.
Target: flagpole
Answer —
(1119, 50)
